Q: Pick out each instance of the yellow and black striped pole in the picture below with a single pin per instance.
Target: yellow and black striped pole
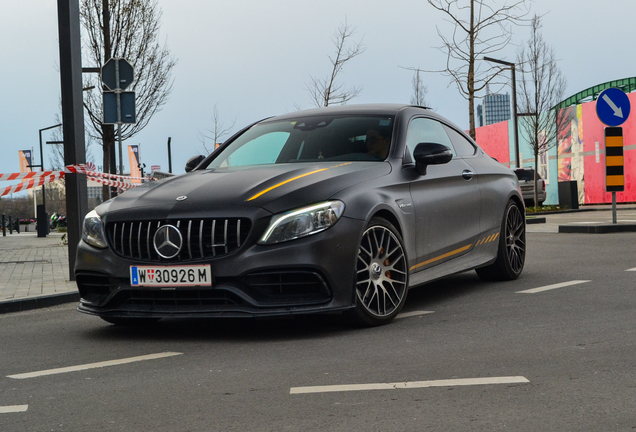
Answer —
(614, 171)
(614, 164)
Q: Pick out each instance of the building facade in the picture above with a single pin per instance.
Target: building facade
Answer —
(578, 155)
(495, 109)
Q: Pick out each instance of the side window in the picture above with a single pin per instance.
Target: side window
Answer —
(426, 130)
(463, 147)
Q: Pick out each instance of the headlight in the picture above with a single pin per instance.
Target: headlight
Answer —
(93, 232)
(303, 222)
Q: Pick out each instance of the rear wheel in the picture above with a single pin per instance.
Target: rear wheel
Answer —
(381, 281)
(511, 255)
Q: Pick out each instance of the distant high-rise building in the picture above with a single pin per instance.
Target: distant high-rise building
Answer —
(495, 109)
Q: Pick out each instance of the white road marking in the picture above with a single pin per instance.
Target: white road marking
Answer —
(13, 409)
(93, 365)
(551, 287)
(412, 314)
(409, 385)
(631, 269)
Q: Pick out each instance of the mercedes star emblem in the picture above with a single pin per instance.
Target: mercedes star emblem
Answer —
(168, 241)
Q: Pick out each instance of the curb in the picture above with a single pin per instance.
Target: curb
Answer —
(581, 210)
(30, 303)
(597, 229)
(534, 220)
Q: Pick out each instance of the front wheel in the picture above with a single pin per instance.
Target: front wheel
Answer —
(381, 280)
(511, 254)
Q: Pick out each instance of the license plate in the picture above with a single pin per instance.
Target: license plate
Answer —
(170, 276)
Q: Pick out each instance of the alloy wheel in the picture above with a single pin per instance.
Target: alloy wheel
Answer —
(515, 238)
(381, 276)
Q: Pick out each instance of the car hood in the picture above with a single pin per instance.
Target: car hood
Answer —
(274, 188)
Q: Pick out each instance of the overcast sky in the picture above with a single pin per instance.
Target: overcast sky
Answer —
(253, 59)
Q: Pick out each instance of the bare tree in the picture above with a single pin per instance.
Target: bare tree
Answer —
(480, 30)
(419, 90)
(126, 29)
(217, 133)
(540, 88)
(328, 91)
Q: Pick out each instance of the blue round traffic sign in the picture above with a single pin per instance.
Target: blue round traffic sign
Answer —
(612, 107)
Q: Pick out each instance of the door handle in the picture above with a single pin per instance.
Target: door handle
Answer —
(467, 174)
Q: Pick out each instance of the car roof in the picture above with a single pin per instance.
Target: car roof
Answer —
(354, 109)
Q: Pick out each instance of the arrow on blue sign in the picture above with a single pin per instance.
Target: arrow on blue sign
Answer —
(617, 110)
(613, 107)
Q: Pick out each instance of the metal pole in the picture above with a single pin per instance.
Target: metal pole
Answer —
(118, 96)
(613, 207)
(42, 169)
(42, 161)
(514, 105)
(4, 229)
(68, 15)
(169, 156)
(515, 116)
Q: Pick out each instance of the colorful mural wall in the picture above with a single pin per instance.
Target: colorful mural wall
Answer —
(579, 154)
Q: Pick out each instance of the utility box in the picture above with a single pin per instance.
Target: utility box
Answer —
(569, 194)
(43, 221)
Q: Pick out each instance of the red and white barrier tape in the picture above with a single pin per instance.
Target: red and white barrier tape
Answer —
(31, 183)
(24, 176)
(40, 178)
(82, 169)
(118, 184)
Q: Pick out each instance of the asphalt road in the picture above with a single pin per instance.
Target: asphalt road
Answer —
(557, 358)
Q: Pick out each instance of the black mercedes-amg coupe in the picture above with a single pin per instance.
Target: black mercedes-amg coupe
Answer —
(338, 209)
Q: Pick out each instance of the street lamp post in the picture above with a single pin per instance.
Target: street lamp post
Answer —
(42, 162)
(514, 105)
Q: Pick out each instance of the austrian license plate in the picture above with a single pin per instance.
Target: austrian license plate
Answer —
(170, 276)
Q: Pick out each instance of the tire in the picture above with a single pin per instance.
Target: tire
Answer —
(511, 253)
(381, 279)
(131, 322)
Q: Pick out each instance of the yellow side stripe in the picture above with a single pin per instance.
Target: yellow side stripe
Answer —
(295, 178)
(485, 240)
(446, 255)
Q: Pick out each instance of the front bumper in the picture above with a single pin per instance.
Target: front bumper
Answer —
(309, 275)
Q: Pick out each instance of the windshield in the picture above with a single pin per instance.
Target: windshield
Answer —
(315, 139)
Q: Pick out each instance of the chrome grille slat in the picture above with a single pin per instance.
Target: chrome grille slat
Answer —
(201, 238)
(225, 235)
(213, 231)
(139, 239)
(189, 239)
(148, 241)
(123, 228)
(124, 237)
(130, 238)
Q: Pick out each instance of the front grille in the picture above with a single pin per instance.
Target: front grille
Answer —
(202, 238)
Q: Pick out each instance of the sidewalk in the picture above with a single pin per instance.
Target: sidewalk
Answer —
(34, 272)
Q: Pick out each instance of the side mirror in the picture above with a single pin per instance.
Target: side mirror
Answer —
(193, 162)
(426, 154)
